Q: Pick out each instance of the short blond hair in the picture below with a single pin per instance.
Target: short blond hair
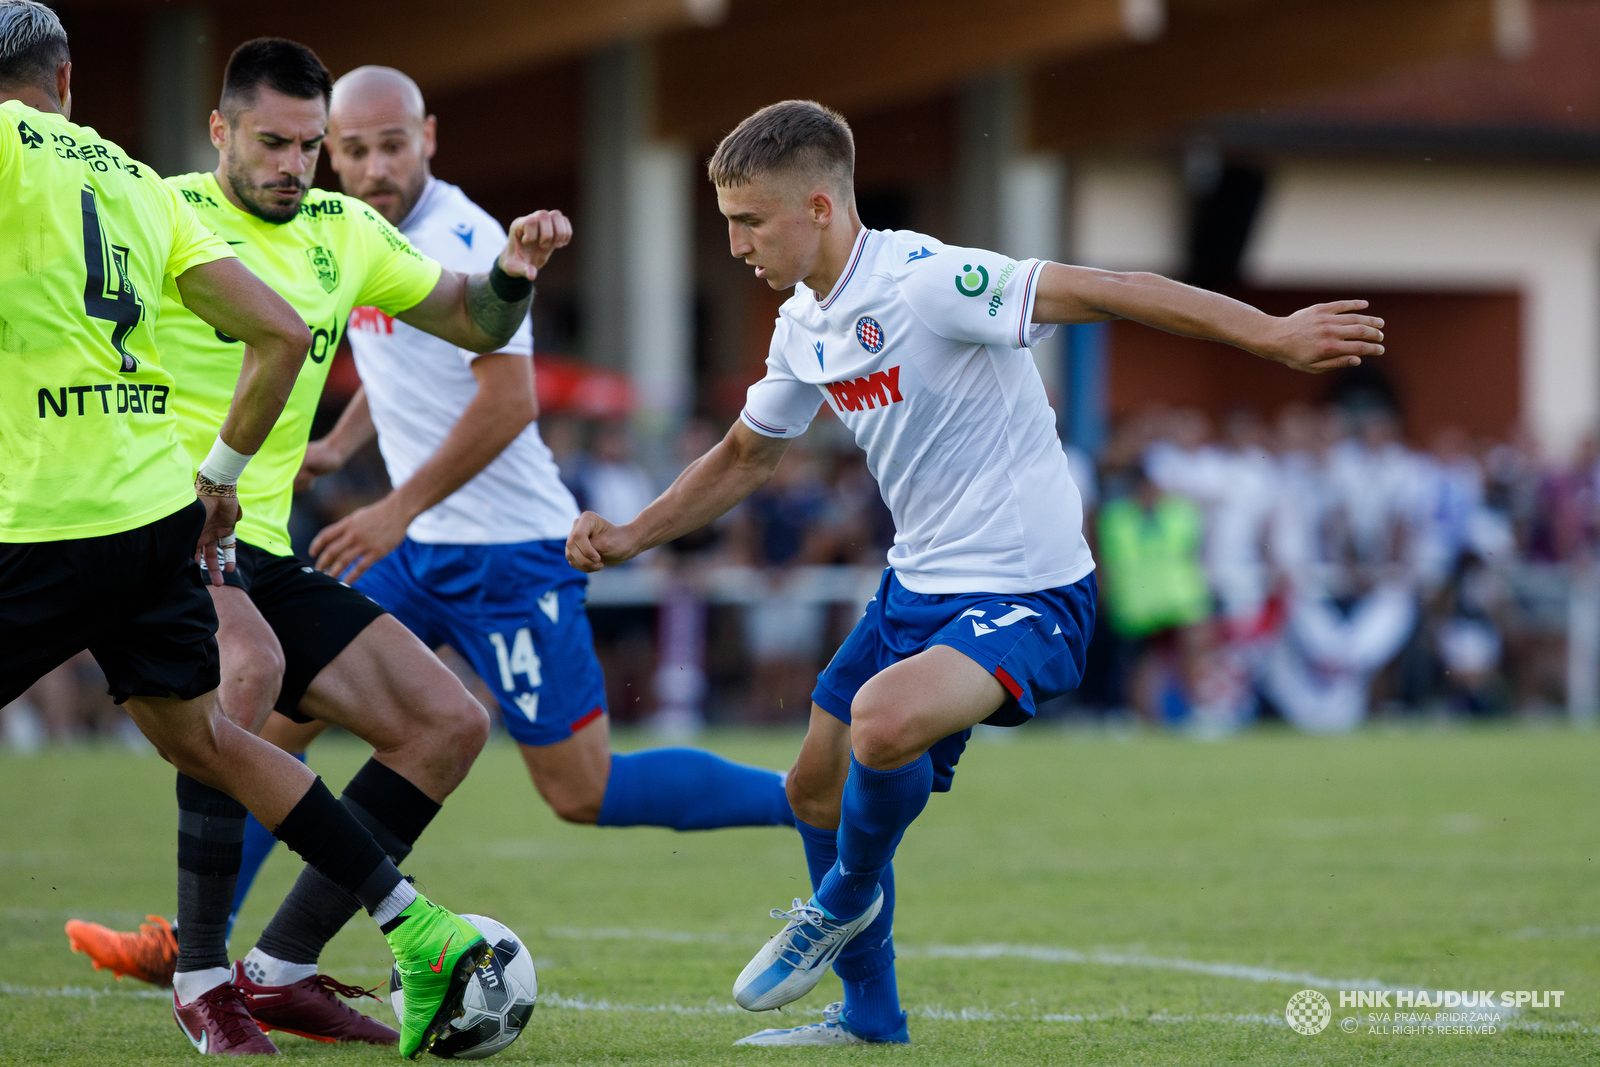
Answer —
(793, 136)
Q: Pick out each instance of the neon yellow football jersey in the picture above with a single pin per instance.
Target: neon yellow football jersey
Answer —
(335, 254)
(88, 438)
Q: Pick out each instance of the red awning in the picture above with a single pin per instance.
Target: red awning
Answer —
(567, 387)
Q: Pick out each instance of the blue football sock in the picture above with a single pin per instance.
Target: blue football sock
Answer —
(691, 789)
(822, 850)
(866, 966)
(258, 842)
(877, 808)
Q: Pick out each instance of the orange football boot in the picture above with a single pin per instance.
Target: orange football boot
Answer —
(151, 955)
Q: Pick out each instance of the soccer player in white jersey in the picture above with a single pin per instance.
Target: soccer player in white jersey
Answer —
(468, 550)
(987, 605)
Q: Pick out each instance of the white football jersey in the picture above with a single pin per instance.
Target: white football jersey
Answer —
(921, 350)
(418, 386)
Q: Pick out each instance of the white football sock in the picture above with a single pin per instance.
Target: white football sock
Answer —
(263, 969)
(398, 900)
(190, 985)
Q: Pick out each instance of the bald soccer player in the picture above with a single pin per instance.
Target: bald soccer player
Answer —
(469, 549)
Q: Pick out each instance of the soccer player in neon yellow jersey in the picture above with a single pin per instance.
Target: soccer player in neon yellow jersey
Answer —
(344, 660)
(100, 524)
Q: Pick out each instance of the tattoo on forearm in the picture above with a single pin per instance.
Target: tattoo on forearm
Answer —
(495, 317)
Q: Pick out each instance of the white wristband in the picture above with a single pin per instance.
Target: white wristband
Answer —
(223, 465)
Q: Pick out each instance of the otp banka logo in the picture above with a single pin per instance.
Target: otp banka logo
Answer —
(973, 282)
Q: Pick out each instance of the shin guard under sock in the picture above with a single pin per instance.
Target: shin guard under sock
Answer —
(876, 809)
(822, 850)
(691, 789)
(395, 812)
(210, 837)
(866, 965)
(322, 832)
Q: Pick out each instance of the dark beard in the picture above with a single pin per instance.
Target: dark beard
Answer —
(252, 198)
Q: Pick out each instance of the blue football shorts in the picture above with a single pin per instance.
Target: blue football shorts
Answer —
(516, 613)
(1033, 643)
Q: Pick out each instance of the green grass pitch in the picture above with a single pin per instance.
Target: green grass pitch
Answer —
(1079, 898)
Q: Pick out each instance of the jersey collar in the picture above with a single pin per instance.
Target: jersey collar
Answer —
(844, 279)
(420, 208)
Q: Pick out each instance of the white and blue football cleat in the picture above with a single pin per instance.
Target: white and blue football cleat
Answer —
(830, 1031)
(793, 962)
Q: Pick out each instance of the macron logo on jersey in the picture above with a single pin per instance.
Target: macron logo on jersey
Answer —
(463, 231)
(879, 389)
(370, 320)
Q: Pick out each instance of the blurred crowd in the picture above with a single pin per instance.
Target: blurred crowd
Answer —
(685, 661)
(1315, 568)
(1319, 569)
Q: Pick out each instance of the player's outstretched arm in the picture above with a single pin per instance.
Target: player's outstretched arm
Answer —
(502, 408)
(708, 488)
(1319, 338)
(348, 436)
(480, 312)
(234, 301)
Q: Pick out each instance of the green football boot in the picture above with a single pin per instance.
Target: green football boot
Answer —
(435, 953)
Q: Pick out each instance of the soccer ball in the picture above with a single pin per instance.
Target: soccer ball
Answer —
(499, 998)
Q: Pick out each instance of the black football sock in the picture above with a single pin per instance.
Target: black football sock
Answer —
(324, 834)
(210, 842)
(396, 812)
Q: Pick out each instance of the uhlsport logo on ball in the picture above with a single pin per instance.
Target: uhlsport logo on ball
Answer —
(1308, 1011)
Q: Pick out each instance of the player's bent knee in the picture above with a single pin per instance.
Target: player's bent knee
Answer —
(574, 808)
(466, 725)
(813, 800)
(198, 754)
(878, 726)
(882, 742)
(251, 688)
(574, 800)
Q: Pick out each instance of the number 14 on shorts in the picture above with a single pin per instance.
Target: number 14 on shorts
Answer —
(519, 659)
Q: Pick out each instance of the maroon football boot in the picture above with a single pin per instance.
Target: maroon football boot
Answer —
(217, 1023)
(311, 1008)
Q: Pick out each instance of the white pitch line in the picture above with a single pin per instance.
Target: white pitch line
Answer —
(1534, 933)
(553, 1000)
(622, 933)
(964, 1015)
(1049, 954)
(80, 992)
(1037, 953)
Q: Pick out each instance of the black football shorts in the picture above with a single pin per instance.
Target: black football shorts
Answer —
(315, 616)
(136, 600)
